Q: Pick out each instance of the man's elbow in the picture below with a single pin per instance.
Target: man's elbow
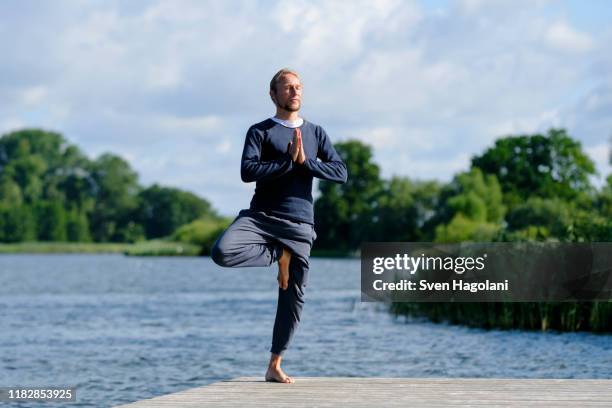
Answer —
(343, 175)
(344, 179)
(339, 178)
(246, 175)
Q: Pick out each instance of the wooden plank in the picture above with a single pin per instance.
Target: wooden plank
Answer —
(391, 392)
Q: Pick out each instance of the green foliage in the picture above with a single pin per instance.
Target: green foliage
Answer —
(77, 226)
(470, 208)
(344, 212)
(402, 209)
(589, 227)
(50, 191)
(161, 247)
(17, 223)
(603, 201)
(163, 209)
(45, 247)
(547, 166)
(544, 316)
(116, 188)
(538, 219)
(462, 228)
(202, 232)
(51, 221)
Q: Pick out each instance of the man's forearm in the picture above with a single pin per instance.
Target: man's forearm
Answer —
(331, 171)
(252, 169)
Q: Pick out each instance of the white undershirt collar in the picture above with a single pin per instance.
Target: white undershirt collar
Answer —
(289, 123)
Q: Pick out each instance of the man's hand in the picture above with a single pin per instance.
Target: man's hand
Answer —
(301, 155)
(294, 147)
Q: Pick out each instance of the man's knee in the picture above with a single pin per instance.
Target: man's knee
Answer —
(217, 253)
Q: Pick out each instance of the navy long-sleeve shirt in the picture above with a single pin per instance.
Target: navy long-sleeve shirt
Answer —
(284, 188)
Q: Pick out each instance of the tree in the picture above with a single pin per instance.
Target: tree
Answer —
(77, 226)
(403, 208)
(116, 188)
(17, 223)
(470, 208)
(50, 190)
(538, 219)
(34, 167)
(50, 221)
(547, 166)
(163, 209)
(344, 212)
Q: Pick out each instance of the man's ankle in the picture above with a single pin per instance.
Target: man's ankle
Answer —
(279, 250)
(275, 361)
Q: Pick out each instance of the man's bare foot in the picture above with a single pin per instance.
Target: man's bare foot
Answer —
(283, 269)
(276, 374)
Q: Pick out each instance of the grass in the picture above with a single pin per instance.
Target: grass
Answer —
(543, 316)
(145, 248)
(330, 253)
(163, 248)
(154, 247)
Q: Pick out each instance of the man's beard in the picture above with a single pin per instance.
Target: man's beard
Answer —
(290, 108)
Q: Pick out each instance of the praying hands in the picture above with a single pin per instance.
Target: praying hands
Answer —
(295, 147)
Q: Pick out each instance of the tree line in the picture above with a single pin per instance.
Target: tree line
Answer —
(524, 187)
(51, 191)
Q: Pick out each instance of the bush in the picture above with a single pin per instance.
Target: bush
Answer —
(203, 232)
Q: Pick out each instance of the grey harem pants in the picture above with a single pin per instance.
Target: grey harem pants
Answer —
(255, 238)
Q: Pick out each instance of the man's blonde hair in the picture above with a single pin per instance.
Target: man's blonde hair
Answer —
(278, 76)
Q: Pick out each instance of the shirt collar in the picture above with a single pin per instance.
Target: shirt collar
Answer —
(290, 124)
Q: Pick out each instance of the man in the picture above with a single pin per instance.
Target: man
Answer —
(280, 154)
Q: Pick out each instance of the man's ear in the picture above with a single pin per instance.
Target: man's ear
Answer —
(272, 97)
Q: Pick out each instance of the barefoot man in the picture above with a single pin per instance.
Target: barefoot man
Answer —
(280, 154)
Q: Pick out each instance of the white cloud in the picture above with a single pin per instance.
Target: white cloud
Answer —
(525, 124)
(562, 36)
(223, 147)
(176, 124)
(424, 167)
(10, 124)
(176, 84)
(394, 138)
(33, 95)
(600, 152)
(164, 75)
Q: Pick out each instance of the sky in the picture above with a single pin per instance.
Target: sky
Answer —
(172, 86)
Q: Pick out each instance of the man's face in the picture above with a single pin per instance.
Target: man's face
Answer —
(288, 93)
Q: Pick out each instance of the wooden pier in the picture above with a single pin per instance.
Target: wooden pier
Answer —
(391, 392)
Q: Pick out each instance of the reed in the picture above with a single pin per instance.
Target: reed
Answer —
(544, 316)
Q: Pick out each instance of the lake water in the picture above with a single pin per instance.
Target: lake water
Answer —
(121, 329)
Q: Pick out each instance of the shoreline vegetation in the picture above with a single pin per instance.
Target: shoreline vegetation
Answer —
(527, 187)
(593, 317)
(158, 247)
(147, 248)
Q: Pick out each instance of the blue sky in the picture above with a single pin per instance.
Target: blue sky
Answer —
(172, 86)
